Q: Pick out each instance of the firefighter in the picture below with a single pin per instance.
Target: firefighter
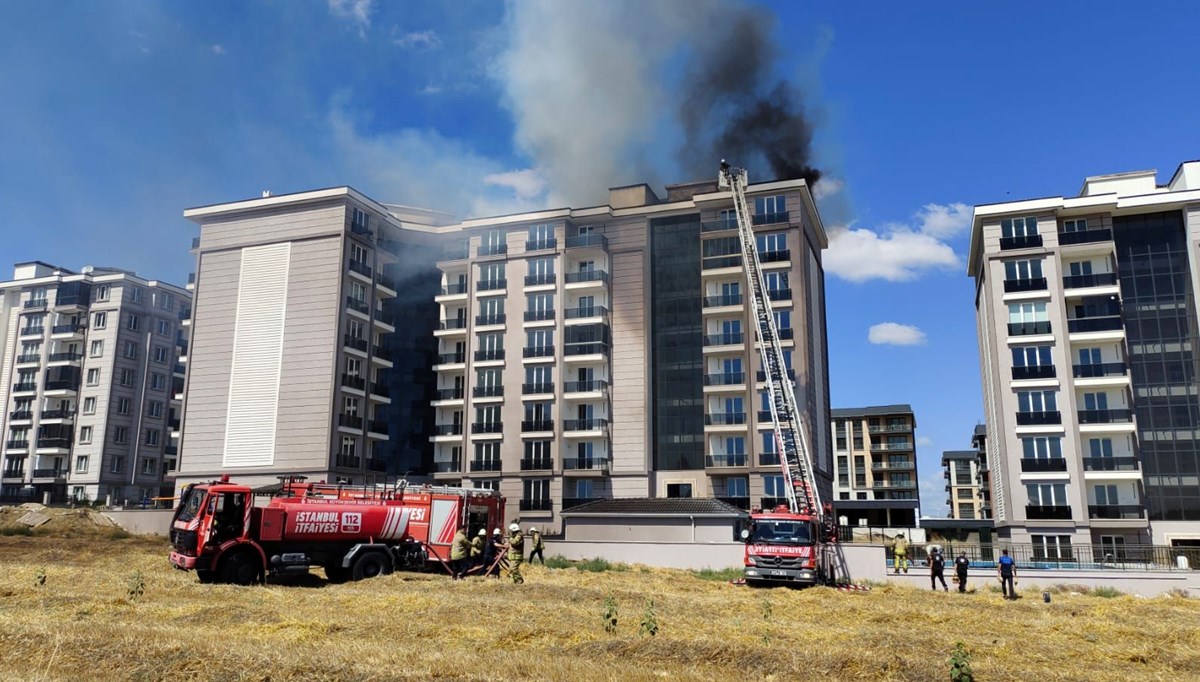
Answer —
(477, 545)
(494, 556)
(535, 539)
(516, 553)
(458, 554)
(900, 553)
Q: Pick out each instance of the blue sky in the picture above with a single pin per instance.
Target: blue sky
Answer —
(116, 116)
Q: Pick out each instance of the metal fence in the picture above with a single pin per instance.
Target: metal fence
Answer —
(1065, 557)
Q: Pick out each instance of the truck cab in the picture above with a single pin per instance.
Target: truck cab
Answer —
(782, 548)
(211, 518)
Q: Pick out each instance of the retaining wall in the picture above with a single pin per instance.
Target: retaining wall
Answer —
(143, 521)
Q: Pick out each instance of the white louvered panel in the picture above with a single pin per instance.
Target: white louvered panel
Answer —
(257, 356)
(6, 369)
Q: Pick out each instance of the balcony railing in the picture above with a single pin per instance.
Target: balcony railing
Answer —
(458, 251)
(487, 391)
(68, 328)
(884, 447)
(54, 442)
(580, 241)
(891, 485)
(16, 445)
(536, 425)
(1111, 464)
(725, 419)
(453, 323)
(893, 466)
(446, 467)
(356, 382)
(721, 300)
(724, 339)
(1048, 512)
(357, 305)
(718, 226)
(537, 463)
(783, 294)
(540, 279)
(489, 354)
(494, 318)
(1116, 511)
(388, 283)
(62, 384)
(786, 333)
(1099, 279)
(762, 376)
(350, 421)
(381, 389)
(769, 218)
(720, 261)
(726, 461)
(585, 348)
(384, 317)
(381, 353)
(1043, 464)
(347, 461)
(451, 358)
(766, 459)
(1105, 416)
(454, 289)
(36, 304)
(1026, 328)
(491, 284)
(1106, 369)
(360, 267)
(1084, 237)
(539, 352)
(493, 249)
(449, 393)
(20, 415)
(775, 256)
(448, 430)
(1034, 372)
(13, 473)
(1026, 284)
(487, 427)
(585, 386)
(535, 388)
(1021, 242)
(536, 505)
(1095, 324)
(725, 379)
(355, 343)
(890, 428)
(588, 311)
(541, 244)
(594, 424)
(1038, 418)
(587, 464)
(587, 276)
(33, 331)
(30, 357)
(58, 414)
(49, 473)
(739, 502)
(485, 465)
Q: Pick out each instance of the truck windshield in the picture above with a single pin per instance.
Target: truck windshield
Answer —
(189, 506)
(782, 533)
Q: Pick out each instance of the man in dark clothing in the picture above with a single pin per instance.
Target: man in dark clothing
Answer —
(960, 570)
(1006, 571)
(937, 567)
(491, 551)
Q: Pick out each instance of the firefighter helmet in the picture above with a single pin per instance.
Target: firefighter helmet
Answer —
(495, 531)
(482, 532)
(515, 528)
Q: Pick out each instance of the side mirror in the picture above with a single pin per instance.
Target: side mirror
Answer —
(745, 535)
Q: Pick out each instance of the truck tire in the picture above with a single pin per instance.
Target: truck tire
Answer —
(206, 577)
(369, 565)
(241, 569)
(336, 574)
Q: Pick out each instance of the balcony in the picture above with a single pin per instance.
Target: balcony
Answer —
(780, 294)
(742, 503)
(724, 339)
(1105, 416)
(355, 382)
(359, 267)
(1038, 418)
(493, 249)
(1048, 512)
(20, 415)
(451, 358)
(448, 430)
(388, 283)
(766, 459)
(1027, 241)
(68, 328)
(537, 425)
(487, 427)
(54, 442)
(722, 300)
(490, 319)
(457, 251)
(725, 419)
(454, 289)
(893, 466)
(539, 315)
(761, 376)
(28, 358)
(32, 331)
(491, 354)
(585, 349)
(347, 461)
(726, 461)
(718, 226)
(1110, 464)
(786, 333)
(449, 393)
(1028, 284)
(384, 318)
(775, 256)
(381, 353)
(1126, 512)
(1095, 324)
(58, 414)
(537, 463)
(540, 279)
(36, 304)
(1028, 328)
(380, 390)
(769, 218)
(1084, 237)
(350, 421)
(537, 388)
(583, 241)
(1043, 465)
(1084, 281)
(901, 484)
(355, 343)
(725, 379)
(49, 473)
(195, 243)
(539, 352)
(1034, 372)
(536, 505)
(491, 284)
(893, 447)
(358, 306)
(485, 465)
(13, 473)
(569, 502)
(541, 244)
(587, 276)
(16, 445)
(446, 467)
(1107, 369)
(584, 424)
(596, 464)
(589, 311)
(719, 262)
(890, 428)
(170, 450)
(592, 386)
(487, 391)
(451, 324)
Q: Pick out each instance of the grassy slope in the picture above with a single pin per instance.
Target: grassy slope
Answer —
(82, 625)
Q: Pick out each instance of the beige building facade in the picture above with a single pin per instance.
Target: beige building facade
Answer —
(876, 455)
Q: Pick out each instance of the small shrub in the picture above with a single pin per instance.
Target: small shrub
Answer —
(960, 664)
(118, 533)
(1106, 592)
(558, 561)
(16, 530)
(610, 614)
(767, 611)
(649, 621)
(1178, 592)
(136, 586)
(718, 574)
(39, 578)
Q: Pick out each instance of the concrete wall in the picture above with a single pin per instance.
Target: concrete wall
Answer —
(606, 529)
(143, 521)
(1141, 583)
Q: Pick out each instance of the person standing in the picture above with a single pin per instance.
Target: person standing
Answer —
(937, 567)
(477, 545)
(516, 553)
(459, 549)
(1006, 571)
(537, 546)
(961, 564)
(491, 554)
(900, 553)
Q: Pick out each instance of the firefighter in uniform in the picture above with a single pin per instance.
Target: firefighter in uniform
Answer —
(516, 553)
(458, 554)
(900, 554)
(477, 544)
(494, 555)
(535, 539)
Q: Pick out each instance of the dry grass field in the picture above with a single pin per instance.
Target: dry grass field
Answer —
(88, 621)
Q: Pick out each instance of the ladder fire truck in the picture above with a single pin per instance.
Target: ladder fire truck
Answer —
(795, 543)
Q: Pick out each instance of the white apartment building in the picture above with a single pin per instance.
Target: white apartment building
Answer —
(960, 468)
(875, 451)
(1086, 311)
(90, 379)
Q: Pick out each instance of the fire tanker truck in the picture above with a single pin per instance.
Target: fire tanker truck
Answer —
(353, 532)
(793, 543)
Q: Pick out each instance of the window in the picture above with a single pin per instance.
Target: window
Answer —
(154, 408)
(776, 280)
(735, 445)
(541, 305)
(1113, 547)
(1090, 356)
(783, 319)
(1032, 356)
(102, 291)
(353, 367)
(132, 322)
(488, 378)
(771, 243)
(135, 294)
(97, 348)
(164, 300)
(965, 493)
(491, 309)
(491, 344)
(1023, 269)
(120, 435)
(93, 377)
(1051, 546)
(358, 292)
(357, 253)
(1076, 225)
(764, 206)
(539, 375)
(349, 446)
(584, 489)
(130, 350)
(1081, 268)
(1095, 401)
(350, 407)
(488, 415)
(85, 435)
(541, 339)
(158, 382)
(149, 466)
(966, 511)
(99, 320)
(773, 487)
(1047, 494)
(89, 405)
(1100, 447)
(122, 405)
(1018, 227)
(493, 242)
(1106, 494)
(127, 377)
(539, 411)
(160, 354)
(538, 453)
(540, 236)
(1027, 312)
(768, 442)
(38, 295)
(81, 462)
(1037, 401)
(537, 490)
(151, 437)
(163, 327)
(359, 220)
(541, 270)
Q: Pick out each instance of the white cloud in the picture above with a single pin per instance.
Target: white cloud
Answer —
(217, 49)
(827, 187)
(924, 441)
(944, 221)
(859, 255)
(357, 12)
(419, 40)
(527, 183)
(894, 334)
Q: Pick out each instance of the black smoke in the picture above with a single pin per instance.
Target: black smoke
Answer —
(734, 107)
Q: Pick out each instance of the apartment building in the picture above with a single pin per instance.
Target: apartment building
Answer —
(312, 339)
(960, 468)
(90, 377)
(608, 351)
(876, 452)
(1086, 314)
(983, 477)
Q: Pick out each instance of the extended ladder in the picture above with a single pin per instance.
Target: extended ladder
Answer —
(790, 441)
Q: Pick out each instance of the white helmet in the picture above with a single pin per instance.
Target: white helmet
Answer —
(515, 528)
(482, 532)
(496, 531)
(532, 529)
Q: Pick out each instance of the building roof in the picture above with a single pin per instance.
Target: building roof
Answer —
(656, 506)
(872, 411)
(959, 454)
(981, 429)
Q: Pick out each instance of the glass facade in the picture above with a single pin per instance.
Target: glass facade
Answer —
(676, 351)
(1160, 326)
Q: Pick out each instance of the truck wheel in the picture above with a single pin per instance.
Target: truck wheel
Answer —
(336, 574)
(370, 565)
(206, 577)
(240, 569)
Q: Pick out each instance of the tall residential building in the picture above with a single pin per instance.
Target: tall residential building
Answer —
(961, 471)
(983, 476)
(311, 339)
(1086, 310)
(876, 453)
(90, 372)
(609, 351)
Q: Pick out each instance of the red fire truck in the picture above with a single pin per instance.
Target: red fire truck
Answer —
(351, 532)
(785, 548)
